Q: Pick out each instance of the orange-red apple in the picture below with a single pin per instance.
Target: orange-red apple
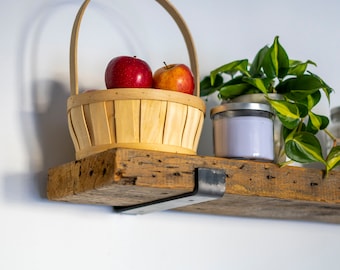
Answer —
(175, 77)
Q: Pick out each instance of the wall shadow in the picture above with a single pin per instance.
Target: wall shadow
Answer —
(47, 143)
(42, 113)
(42, 101)
(51, 130)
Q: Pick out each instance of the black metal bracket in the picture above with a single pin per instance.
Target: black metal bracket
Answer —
(210, 185)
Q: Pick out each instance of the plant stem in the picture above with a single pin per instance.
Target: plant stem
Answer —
(282, 164)
(334, 139)
(300, 125)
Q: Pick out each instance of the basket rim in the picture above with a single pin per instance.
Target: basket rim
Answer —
(135, 94)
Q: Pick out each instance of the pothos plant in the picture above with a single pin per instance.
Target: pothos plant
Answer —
(273, 72)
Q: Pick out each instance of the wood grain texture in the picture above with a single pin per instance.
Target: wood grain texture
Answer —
(119, 177)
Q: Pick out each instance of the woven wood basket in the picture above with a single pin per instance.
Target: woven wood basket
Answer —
(139, 118)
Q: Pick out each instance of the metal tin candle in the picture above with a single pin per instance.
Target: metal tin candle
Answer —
(244, 131)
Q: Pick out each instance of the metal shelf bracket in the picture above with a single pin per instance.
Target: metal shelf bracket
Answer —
(210, 185)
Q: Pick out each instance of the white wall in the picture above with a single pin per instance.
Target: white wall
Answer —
(38, 234)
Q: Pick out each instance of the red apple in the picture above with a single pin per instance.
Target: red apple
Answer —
(175, 77)
(128, 72)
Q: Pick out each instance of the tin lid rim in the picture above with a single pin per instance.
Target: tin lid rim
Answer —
(236, 106)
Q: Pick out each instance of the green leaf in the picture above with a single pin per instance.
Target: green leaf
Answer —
(268, 66)
(286, 132)
(287, 112)
(313, 99)
(234, 90)
(333, 158)
(255, 68)
(303, 110)
(298, 68)
(276, 61)
(290, 132)
(300, 87)
(206, 88)
(307, 104)
(326, 88)
(285, 107)
(288, 122)
(316, 122)
(261, 84)
(231, 68)
(304, 147)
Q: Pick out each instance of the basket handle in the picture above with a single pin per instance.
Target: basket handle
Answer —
(174, 14)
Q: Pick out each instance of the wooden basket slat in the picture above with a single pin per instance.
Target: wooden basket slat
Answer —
(174, 123)
(80, 127)
(152, 121)
(89, 126)
(72, 133)
(191, 125)
(111, 120)
(127, 114)
(100, 124)
(198, 132)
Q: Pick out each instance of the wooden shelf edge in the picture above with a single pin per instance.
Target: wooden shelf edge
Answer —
(121, 177)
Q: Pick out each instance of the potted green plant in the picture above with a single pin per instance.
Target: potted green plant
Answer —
(272, 72)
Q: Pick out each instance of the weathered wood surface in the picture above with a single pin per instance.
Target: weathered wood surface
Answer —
(121, 177)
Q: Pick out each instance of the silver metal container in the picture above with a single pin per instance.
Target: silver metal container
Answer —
(243, 130)
(279, 153)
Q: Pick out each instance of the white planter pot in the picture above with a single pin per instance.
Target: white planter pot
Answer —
(243, 130)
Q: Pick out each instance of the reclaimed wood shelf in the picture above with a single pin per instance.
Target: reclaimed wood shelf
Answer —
(122, 177)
